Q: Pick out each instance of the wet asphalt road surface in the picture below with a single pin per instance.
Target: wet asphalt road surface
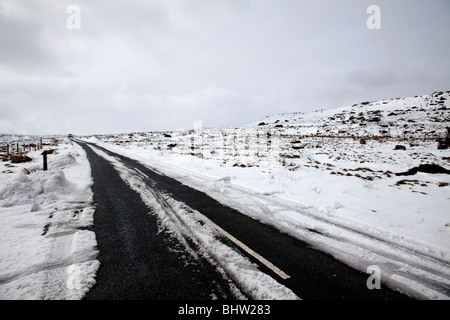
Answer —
(137, 261)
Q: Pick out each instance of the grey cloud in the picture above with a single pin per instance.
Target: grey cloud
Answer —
(372, 79)
(20, 47)
(159, 65)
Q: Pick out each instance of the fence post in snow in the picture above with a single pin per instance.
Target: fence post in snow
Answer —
(447, 138)
(44, 155)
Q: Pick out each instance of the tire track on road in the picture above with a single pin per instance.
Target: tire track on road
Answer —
(137, 261)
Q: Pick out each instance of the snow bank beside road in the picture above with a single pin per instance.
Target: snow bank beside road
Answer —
(44, 253)
(41, 187)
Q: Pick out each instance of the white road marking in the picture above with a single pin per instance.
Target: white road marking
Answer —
(256, 255)
(139, 171)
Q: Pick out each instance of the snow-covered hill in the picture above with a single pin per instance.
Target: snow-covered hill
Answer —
(424, 116)
(364, 133)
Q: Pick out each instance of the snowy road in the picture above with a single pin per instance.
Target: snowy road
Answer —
(137, 260)
(159, 239)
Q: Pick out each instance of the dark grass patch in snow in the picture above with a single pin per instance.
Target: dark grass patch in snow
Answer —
(427, 168)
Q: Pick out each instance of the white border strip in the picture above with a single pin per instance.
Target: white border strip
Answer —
(254, 254)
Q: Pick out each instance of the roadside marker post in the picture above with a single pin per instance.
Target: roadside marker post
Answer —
(44, 155)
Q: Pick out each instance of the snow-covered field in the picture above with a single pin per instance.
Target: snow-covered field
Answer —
(328, 178)
(45, 252)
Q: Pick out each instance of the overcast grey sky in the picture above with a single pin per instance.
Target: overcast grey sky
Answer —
(162, 64)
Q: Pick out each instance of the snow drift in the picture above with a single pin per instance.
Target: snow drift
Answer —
(45, 250)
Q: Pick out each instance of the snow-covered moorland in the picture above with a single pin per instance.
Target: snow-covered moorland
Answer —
(326, 177)
(329, 178)
(45, 252)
